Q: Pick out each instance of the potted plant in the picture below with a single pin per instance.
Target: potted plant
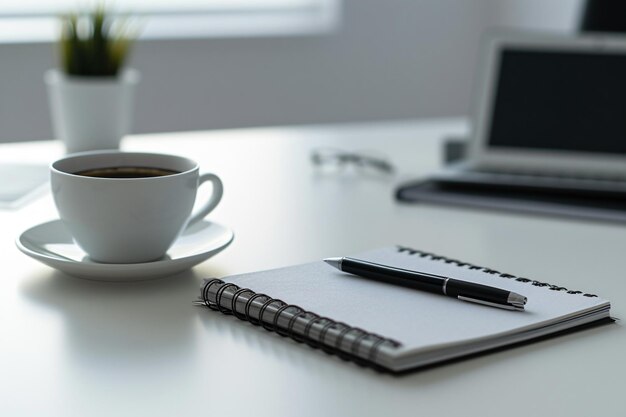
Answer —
(91, 95)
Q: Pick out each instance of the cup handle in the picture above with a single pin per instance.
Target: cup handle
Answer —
(218, 190)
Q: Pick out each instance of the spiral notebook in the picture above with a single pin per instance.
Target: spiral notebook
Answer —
(395, 328)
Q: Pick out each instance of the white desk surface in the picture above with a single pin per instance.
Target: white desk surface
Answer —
(71, 347)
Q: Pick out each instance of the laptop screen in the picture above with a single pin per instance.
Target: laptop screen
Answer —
(562, 101)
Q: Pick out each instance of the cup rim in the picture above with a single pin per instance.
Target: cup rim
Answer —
(54, 169)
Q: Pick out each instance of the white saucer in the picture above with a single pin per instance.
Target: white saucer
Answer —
(52, 244)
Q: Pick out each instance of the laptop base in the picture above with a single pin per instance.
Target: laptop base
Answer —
(571, 203)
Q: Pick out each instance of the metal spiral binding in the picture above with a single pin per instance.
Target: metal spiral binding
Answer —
(434, 257)
(296, 312)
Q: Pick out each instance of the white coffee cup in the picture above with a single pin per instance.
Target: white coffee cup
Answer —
(128, 220)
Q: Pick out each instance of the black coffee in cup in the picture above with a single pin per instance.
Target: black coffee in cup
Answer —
(126, 172)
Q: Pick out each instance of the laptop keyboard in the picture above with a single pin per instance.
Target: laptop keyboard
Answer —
(583, 186)
(542, 176)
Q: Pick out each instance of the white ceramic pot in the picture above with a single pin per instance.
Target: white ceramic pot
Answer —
(91, 113)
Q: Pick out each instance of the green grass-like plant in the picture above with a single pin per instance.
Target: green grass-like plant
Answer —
(95, 43)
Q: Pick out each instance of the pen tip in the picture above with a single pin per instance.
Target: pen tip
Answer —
(334, 262)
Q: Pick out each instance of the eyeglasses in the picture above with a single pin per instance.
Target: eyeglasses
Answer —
(368, 162)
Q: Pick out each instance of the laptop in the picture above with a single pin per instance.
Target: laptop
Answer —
(549, 123)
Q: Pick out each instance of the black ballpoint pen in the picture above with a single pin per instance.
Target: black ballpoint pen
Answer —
(462, 290)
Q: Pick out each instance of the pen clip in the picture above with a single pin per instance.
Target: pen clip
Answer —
(487, 303)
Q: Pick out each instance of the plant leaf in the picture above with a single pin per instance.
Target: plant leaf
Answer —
(95, 43)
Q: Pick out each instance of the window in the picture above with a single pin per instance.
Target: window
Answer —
(35, 20)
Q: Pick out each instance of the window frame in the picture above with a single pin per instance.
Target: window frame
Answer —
(321, 17)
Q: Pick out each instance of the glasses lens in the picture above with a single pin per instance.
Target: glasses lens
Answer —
(328, 159)
(373, 163)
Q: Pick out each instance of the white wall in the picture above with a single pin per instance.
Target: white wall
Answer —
(390, 59)
(547, 15)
